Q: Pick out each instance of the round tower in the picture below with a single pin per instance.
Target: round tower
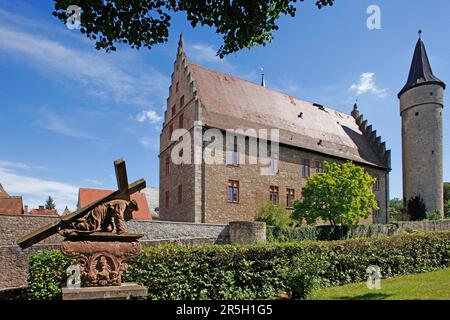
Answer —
(421, 107)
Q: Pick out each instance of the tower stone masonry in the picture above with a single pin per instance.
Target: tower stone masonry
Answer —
(421, 107)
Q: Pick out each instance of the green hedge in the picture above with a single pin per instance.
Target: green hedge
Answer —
(328, 232)
(255, 271)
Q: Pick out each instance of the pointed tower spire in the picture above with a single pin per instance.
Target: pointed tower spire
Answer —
(3, 193)
(263, 83)
(181, 44)
(420, 72)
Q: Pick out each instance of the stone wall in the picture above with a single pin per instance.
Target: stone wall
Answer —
(14, 260)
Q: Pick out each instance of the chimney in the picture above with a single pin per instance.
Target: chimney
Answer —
(25, 209)
(41, 208)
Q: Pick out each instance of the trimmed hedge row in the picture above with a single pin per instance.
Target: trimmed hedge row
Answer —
(254, 271)
(328, 232)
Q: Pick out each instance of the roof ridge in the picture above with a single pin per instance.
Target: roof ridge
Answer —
(266, 88)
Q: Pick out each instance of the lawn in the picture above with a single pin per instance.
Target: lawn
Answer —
(425, 286)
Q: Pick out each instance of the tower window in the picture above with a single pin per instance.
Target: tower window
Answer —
(180, 121)
(431, 93)
(417, 114)
(176, 87)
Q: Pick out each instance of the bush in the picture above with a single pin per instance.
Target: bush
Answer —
(46, 275)
(447, 209)
(254, 271)
(274, 215)
(433, 215)
(416, 209)
(303, 277)
(328, 232)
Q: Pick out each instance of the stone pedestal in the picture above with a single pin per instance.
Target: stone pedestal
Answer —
(124, 291)
(247, 232)
(102, 256)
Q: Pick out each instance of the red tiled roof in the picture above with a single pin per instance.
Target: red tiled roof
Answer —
(87, 196)
(233, 103)
(45, 212)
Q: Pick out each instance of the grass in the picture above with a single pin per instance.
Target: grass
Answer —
(425, 286)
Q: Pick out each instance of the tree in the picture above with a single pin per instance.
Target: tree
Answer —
(417, 209)
(395, 207)
(342, 194)
(274, 215)
(145, 23)
(446, 191)
(50, 204)
(447, 209)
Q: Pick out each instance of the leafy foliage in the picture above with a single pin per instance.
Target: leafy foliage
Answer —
(395, 207)
(144, 23)
(256, 271)
(342, 194)
(46, 275)
(447, 209)
(433, 215)
(50, 204)
(416, 209)
(303, 277)
(274, 215)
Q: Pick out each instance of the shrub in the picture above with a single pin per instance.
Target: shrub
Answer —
(303, 276)
(416, 209)
(274, 215)
(46, 275)
(433, 215)
(255, 271)
(447, 209)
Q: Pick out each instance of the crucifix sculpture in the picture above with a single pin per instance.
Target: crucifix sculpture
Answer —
(96, 235)
(123, 192)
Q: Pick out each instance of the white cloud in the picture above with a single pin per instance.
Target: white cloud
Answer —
(118, 77)
(367, 84)
(149, 115)
(14, 165)
(35, 190)
(206, 54)
(151, 143)
(55, 123)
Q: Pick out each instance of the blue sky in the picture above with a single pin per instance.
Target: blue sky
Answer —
(67, 111)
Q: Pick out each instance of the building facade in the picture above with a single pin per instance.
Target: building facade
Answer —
(206, 105)
(421, 107)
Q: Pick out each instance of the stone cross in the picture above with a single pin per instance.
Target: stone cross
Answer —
(124, 191)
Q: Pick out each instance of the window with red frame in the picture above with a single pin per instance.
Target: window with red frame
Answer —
(290, 197)
(233, 155)
(319, 166)
(233, 191)
(274, 194)
(305, 168)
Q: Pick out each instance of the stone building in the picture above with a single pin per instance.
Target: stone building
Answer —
(89, 195)
(201, 99)
(421, 106)
(10, 204)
